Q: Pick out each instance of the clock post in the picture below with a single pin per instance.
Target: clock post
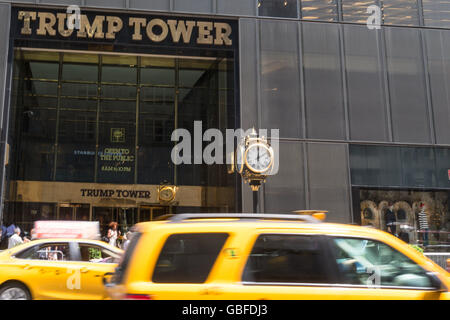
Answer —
(255, 184)
(254, 159)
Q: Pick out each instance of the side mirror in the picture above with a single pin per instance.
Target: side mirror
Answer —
(436, 283)
(105, 280)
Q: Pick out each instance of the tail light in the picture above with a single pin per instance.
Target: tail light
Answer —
(130, 296)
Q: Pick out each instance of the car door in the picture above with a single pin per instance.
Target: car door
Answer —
(183, 266)
(371, 269)
(308, 266)
(282, 266)
(94, 261)
(45, 269)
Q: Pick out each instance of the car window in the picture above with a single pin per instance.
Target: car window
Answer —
(49, 252)
(188, 258)
(97, 254)
(373, 263)
(286, 259)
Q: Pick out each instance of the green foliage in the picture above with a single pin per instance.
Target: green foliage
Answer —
(94, 254)
(417, 248)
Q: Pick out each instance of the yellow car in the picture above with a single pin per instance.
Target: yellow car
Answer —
(56, 269)
(264, 256)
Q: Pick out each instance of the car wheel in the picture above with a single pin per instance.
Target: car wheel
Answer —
(14, 291)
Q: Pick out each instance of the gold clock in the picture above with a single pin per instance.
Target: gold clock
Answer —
(167, 193)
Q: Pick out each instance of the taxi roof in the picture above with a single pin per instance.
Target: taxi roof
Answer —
(222, 222)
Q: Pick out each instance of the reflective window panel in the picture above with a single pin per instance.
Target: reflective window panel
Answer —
(356, 10)
(436, 13)
(278, 8)
(324, 10)
(400, 12)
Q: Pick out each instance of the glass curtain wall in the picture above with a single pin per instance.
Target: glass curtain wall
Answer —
(77, 118)
(35, 94)
(429, 13)
(109, 118)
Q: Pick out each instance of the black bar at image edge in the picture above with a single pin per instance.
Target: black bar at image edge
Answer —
(261, 309)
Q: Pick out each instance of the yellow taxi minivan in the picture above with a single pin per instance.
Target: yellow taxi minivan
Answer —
(57, 269)
(266, 256)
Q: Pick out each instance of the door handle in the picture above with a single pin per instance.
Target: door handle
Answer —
(27, 267)
(212, 291)
(84, 270)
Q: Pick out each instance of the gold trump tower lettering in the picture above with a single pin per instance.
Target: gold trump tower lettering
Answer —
(107, 27)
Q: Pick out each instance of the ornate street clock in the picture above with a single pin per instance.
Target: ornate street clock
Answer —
(166, 194)
(254, 160)
(259, 157)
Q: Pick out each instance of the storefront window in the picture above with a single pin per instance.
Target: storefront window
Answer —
(404, 191)
(417, 217)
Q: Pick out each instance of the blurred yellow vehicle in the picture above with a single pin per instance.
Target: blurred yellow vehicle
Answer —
(264, 256)
(56, 269)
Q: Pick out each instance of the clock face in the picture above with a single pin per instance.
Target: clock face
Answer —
(259, 158)
(166, 194)
(239, 159)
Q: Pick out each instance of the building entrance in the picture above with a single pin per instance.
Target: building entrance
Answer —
(70, 211)
(91, 135)
(151, 213)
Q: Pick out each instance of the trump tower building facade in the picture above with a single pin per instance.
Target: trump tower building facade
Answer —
(360, 91)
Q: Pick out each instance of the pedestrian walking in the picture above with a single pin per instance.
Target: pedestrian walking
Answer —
(113, 234)
(15, 239)
(126, 239)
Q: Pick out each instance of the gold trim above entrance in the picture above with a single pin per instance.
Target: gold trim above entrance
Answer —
(113, 195)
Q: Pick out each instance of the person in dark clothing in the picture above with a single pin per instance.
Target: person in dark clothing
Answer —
(391, 220)
(3, 238)
(404, 236)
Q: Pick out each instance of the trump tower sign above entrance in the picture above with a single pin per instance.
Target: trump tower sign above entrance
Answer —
(119, 28)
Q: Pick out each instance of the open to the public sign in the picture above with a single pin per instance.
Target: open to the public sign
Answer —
(66, 229)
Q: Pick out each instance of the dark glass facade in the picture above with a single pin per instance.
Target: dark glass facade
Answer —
(366, 117)
(106, 121)
(111, 117)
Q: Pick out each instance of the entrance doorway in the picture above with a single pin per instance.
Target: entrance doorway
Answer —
(125, 217)
(71, 211)
(151, 213)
